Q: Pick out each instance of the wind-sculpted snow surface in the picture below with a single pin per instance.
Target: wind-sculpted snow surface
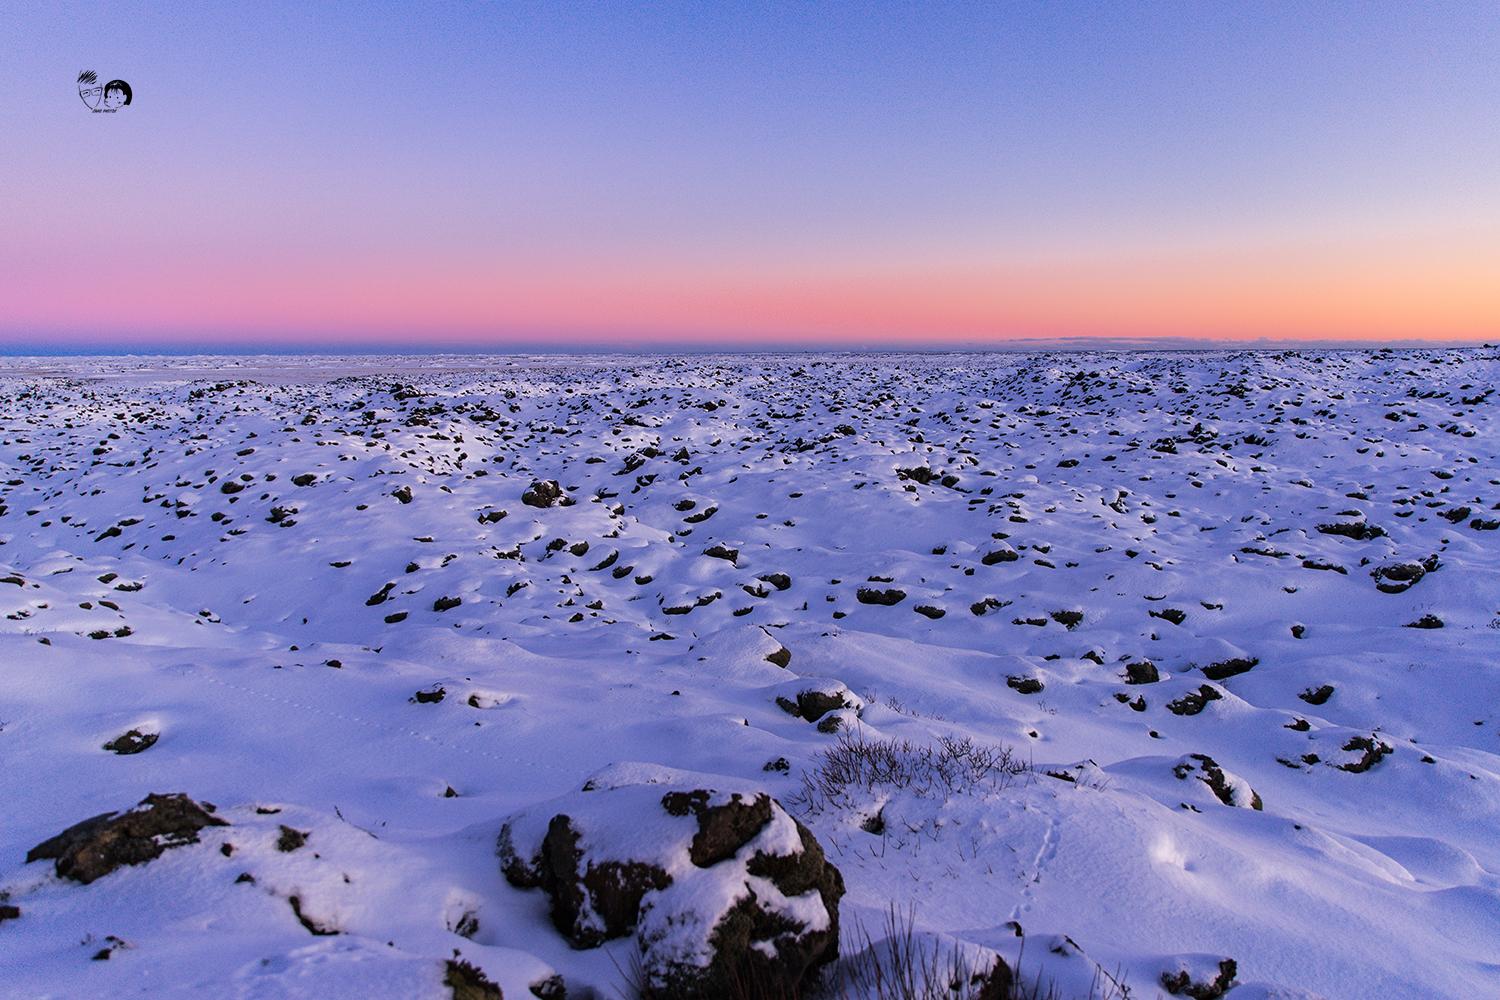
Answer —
(1163, 659)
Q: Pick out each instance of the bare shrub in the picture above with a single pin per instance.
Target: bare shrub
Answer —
(954, 765)
(915, 967)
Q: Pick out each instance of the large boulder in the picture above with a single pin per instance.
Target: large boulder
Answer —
(94, 848)
(722, 888)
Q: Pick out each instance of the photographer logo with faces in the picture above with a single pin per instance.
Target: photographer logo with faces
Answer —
(102, 98)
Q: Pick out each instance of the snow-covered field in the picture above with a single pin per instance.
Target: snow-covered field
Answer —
(1106, 563)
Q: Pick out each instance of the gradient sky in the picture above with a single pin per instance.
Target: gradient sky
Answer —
(479, 174)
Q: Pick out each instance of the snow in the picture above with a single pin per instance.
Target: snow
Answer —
(1162, 507)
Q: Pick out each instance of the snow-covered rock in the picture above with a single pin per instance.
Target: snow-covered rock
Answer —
(717, 882)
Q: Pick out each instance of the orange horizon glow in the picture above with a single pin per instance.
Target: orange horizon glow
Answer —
(1438, 288)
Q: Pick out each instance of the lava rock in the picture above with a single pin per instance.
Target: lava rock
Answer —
(813, 704)
(132, 742)
(1194, 701)
(97, 846)
(1229, 668)
(1227, 788)
(546, 493)
(1202, 987)
(719, 884)
(1397, 577)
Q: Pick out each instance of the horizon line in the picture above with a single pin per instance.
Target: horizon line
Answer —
(1062, 344)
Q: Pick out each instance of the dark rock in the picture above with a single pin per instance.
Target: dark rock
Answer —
(738, 954)
(929, 612)
(545, 493)
(748, 946)
(1372, 754)
(1229, 668)
(1024, 685)
(1317, 697)
(1212, 775)
(1194, 701)
(306, 479)
(282, 516)
(432, 697)
(999, 556)
(812, 705)
(1426, 621)
(600, 902)
(1398, 577)
(1173, 615)
(722, 552)
(402, 493)
(1142, 672)
(1182, 982)
(1357, 530)
(722, 829)
(781, 656)
(313, 927)
(97, 846)
(778, 580)
(996, 984)
(868, 595)
(132, 742)
(445, 603)
(1068, 619)
(290, 839)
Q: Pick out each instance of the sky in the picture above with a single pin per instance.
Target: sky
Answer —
(478, 175)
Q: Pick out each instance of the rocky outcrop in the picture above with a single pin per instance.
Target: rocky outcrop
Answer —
(97, 846)
(546, 493)
(1230, 789)
(1397, 577)
(1193, 702)
(721, 887)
